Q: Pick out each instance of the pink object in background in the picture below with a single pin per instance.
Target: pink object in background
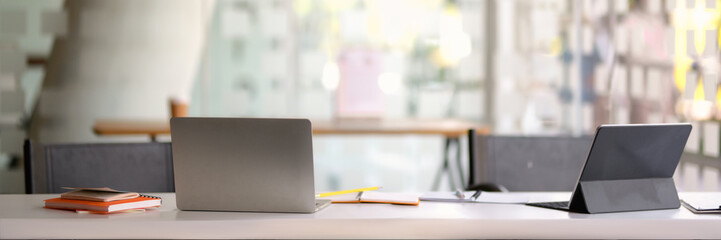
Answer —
(358, 94)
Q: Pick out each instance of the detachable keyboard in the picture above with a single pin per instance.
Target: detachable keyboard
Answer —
(552, 205)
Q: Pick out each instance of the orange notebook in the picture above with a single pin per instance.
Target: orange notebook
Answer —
(104, 207)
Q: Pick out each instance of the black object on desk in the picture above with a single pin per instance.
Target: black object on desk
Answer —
(629, 168)
(476, 194)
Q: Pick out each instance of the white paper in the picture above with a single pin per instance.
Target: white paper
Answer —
(447, 197)
(496, 197)
(485, 197)
(384, 197)
(704, 202)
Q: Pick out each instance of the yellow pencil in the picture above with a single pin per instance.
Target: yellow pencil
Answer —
(346, 191)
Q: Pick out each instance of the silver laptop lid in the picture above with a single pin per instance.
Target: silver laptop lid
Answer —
(243, 164)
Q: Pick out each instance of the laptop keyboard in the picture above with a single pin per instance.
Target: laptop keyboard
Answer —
(554, 205)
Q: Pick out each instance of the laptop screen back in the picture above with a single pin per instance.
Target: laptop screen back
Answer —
(635, 152)
(243, 164)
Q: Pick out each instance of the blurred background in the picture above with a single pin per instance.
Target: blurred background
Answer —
(517, 67)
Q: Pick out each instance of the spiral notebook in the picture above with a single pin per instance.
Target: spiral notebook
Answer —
(141, 202)
(102, 200)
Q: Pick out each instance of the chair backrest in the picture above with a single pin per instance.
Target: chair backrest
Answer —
(138, 167)
(523, 163)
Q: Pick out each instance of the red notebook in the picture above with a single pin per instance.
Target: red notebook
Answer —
(104, 207)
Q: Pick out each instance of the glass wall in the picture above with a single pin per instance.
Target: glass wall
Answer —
(553, 67)
(520, 67)
(348, 59)
(300, 58)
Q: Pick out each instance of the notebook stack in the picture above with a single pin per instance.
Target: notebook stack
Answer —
(102, 200)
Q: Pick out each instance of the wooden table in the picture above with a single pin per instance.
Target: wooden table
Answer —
(451, 129)
(151, 128)
(22, 217)
(446, 127)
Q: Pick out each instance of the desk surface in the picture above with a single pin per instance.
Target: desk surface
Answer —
(446, 127)
(22, 217)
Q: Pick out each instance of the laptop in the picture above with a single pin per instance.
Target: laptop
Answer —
(244, 164)
(628, 168)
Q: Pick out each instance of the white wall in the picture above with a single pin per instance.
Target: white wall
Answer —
(120, 59)
(27, 30)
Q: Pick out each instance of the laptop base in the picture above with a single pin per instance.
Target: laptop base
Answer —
(320, 204)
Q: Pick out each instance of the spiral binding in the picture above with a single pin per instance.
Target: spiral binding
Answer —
(150, 196)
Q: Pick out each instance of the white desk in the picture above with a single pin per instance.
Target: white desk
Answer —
(22, 217)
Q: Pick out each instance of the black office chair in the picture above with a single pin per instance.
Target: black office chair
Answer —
(522, 163)
(138, 167)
